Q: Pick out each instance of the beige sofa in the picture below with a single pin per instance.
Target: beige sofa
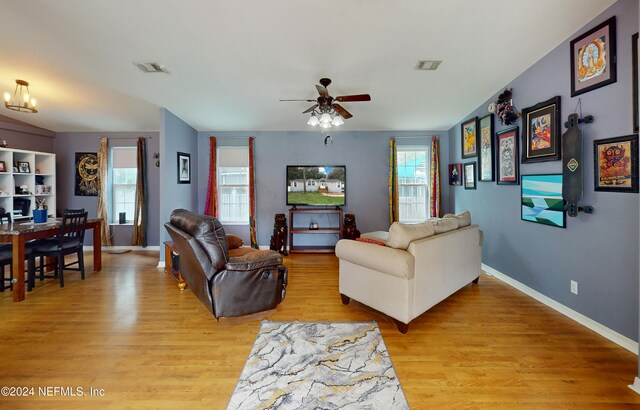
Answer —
(420, 266)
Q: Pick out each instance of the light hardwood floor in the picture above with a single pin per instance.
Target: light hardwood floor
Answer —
(130, 331)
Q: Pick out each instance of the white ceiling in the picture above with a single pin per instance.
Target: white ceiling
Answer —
(231, 61)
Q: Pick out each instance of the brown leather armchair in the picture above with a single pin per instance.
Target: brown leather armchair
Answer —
(227, 286)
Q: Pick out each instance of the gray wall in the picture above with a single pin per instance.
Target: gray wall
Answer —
(68, 143)
(598, 251)
(365, 154)
(20, 135)
(176, 136)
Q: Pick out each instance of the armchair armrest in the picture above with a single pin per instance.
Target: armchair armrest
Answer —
(254, 260)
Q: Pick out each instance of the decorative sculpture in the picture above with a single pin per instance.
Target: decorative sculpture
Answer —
(279, 237)
(350, 231)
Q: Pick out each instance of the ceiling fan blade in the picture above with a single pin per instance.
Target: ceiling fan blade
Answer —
(322, 90)
(313, 107)
(299, 100)
(357, 97)
(343, 113)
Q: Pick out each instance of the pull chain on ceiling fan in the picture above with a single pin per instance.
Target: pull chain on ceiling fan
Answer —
(326, 107)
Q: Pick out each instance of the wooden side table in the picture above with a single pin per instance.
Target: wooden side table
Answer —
(169, 250)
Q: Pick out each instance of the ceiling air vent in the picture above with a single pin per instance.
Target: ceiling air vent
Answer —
(151, 68)
(428, 65)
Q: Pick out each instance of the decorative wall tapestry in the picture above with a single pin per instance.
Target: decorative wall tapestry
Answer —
(86, 174)
(616, 164)
(593, 58)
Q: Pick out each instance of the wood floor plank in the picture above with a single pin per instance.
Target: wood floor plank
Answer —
(130, 331)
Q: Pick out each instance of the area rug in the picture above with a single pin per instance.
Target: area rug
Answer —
(302, 365)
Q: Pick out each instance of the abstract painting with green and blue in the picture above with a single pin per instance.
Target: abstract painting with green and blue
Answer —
(542, 199)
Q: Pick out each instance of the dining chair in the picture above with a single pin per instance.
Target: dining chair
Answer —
(6, 258)
(69, 240)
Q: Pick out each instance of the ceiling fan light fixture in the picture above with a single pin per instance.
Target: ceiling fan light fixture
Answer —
(325, 125)
(337, 121)
(325, 118)
(313, 121)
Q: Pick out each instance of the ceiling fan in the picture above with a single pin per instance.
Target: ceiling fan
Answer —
(331, 113)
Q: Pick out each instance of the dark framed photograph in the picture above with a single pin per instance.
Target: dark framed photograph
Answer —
(469, 130)
(486, 164)
(23, 167)
(470, 175)
(593, 58)
(508, 161)
(87, 174)
(541, 131)
(541, 200)
(634, 76)
(3, 166)
(184, 168)
(616, 164)
(455, 174)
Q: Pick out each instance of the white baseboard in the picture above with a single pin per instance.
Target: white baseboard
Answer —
(636, 385)
(117, 248)
(161, 264)
(602, 330)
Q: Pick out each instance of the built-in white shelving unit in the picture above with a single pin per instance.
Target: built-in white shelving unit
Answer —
(38, 180)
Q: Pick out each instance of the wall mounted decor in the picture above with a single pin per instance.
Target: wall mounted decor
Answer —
(541, 131)
(634, 76)
(593, 58)
(455, 174)
(86, 174)
(504, 108)
(507, 156)
(470, 175)
(469, 131)
(616, 164)
(486, 161)
(184, 168)
(541, 200)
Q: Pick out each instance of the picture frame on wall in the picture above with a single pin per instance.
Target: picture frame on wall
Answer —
(184, 168)
(470, 175)
(469, 131)
(87, 175)
(507, 143)
(634, 76)
(541, 200)
(486, 163)
(593, 58)
(541, 131)
(616, 164)
(455, 174)
(23, 167)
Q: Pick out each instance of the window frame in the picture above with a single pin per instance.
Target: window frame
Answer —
(112, 218)
(427, 186)
(220, 149)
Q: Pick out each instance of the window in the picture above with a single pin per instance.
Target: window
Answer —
(413, 184)
(233, 185)
(124, 172)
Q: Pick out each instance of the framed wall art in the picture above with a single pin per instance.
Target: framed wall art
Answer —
(184, 168)
(507, 156)
(634, 76)
(470, 175)
(469, 131)
(616, 164)
(86, 183)
(593, 58)
(541, 131)
(486, 163)
(455, 174)
(541, 200)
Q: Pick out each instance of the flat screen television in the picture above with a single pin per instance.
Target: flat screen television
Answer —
(316, 185)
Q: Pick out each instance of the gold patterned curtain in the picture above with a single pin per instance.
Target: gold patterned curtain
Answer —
(103, 206)
(435, 205)
(393, 182)
(142, 197)
(252, 197)
(211, 202)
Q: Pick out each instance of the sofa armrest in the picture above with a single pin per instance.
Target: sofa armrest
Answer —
(396, 262)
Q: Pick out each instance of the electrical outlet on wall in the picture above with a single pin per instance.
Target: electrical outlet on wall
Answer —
(574, 287)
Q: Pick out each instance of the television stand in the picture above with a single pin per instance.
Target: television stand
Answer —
(294, 230)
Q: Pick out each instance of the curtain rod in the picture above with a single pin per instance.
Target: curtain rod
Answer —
(125, 138)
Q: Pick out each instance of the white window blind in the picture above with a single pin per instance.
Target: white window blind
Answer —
(124, 172)
(233, 185)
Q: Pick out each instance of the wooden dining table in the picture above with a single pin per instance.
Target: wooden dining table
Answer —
(19, 232)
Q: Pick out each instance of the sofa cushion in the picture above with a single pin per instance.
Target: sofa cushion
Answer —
(391, 261)
(382, 236)
(464, 218)
(445, 225)
(373, 241)
(401, 235)
(234, 241)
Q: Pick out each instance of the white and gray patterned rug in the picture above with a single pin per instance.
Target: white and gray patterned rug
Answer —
(302, 365)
